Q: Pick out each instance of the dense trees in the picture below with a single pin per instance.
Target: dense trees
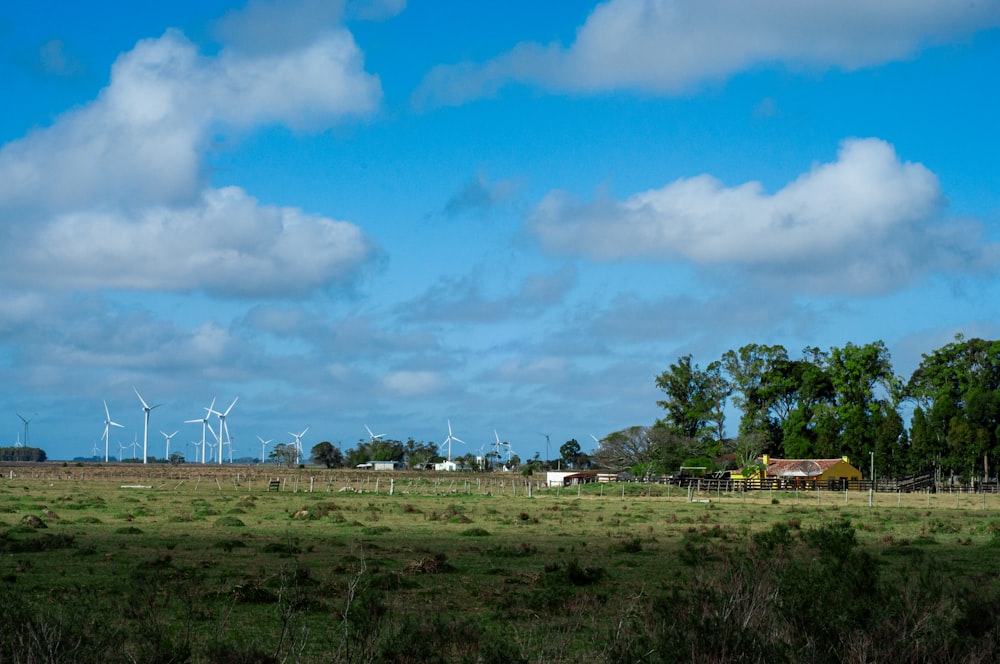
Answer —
(845, 401)
(22, 453)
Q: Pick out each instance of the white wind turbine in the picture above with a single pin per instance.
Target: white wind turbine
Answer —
(107, 424)
(298, 442)
(372, 437)
(204, 426)
(168, 437)
(451, 437)
(501, 444)
(27, 441)
(224, 438)
(263, 444)
(146, 408)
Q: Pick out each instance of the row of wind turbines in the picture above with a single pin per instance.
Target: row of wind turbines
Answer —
(498, 446)
(224, 439)
(222, 436)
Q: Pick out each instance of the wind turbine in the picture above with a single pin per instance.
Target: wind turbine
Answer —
(224, 438)
(204, 425)
(108, 423)
(500, 444)
(121, 451)
(27, 441)
(451, 437)
(146, 408)
(263, 444)
(168, 437)
(298, 442)
(373, 436)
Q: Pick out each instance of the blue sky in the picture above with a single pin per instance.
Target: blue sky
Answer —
(510, 215)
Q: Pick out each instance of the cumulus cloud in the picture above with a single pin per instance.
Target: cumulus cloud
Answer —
(866, 222)
(668, 46)
(114, 192)
(225, 243)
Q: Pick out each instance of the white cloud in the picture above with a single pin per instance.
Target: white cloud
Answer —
(866, 222)
(668, 46)
(225, 244)
(113, 194)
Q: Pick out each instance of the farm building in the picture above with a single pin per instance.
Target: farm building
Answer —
(569, 477)
(801, 472)
(382, 465)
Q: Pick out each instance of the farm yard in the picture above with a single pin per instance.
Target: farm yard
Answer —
(124, 563)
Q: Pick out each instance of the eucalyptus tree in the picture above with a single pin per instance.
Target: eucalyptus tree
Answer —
(866, 394)
(695, 402)
(957, 419)
(747, 369)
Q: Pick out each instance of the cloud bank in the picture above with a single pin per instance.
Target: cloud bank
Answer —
(669, 46)
(864, 223)
(115, 193)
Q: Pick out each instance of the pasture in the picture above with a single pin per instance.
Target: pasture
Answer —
(204, 564)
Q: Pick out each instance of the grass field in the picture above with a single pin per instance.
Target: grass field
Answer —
(203, 564)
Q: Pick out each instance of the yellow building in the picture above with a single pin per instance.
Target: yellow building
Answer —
(790, 473)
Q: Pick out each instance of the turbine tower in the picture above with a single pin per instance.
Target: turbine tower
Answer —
(451, 437)
(107, 424)
(146, 409)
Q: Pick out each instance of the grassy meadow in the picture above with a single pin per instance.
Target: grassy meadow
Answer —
(121, 563)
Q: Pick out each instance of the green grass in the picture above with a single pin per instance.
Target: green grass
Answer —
(202, 570)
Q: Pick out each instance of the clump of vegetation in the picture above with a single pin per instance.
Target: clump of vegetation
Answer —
(475, 532)
(229, 522)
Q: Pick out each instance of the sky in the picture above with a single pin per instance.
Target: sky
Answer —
(510, 216)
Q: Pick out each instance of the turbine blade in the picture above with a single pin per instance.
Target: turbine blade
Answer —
(143, 401)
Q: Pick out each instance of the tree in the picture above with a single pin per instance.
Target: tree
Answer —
(284, 454)
(692, 397)
(748, 369)
(625, 449)
(570, 452)
(326, 454)
(957, 389)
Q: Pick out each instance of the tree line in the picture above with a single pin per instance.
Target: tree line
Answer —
(846, 401)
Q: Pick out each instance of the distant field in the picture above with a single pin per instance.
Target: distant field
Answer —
(202, 563)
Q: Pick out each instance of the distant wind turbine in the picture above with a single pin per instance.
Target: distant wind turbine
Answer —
(263, 444)
(451, 437)
(298, 442)
(168, 437)
(146, 409)
(108, 423)
(204, 427)
(27, 441)
(224, 438)
(372, 437)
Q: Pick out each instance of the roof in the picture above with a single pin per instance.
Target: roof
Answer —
(801, 467)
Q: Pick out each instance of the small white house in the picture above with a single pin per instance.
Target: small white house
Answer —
(449, 466)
